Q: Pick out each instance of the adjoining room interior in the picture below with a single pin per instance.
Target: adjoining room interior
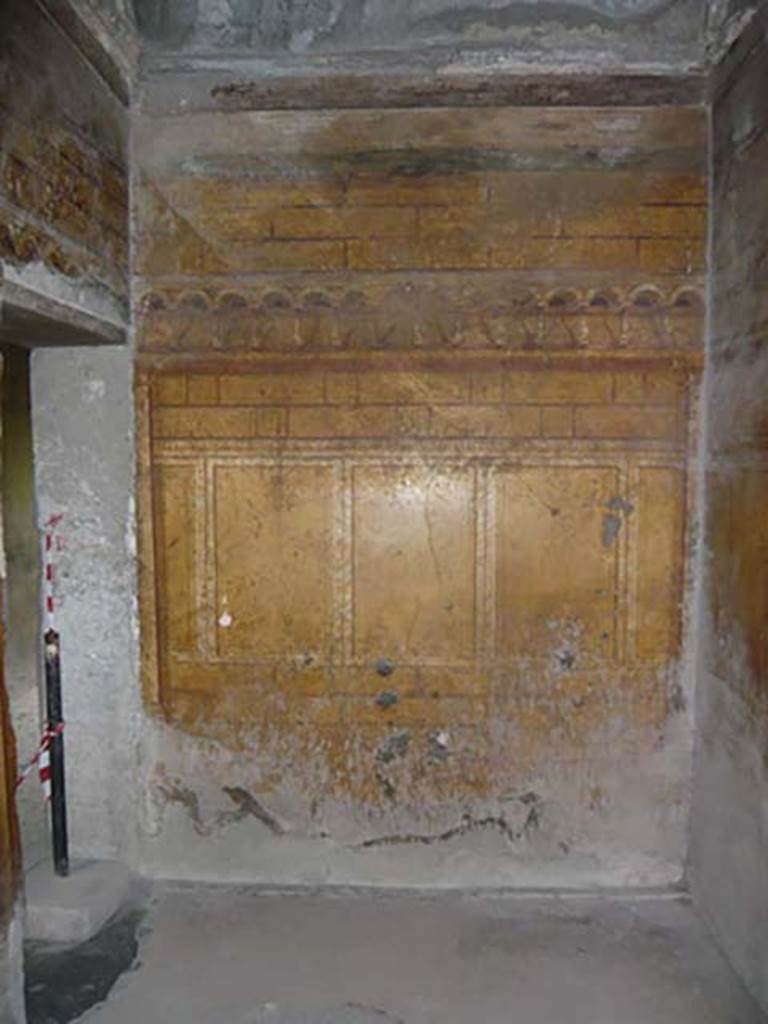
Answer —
(384, 418)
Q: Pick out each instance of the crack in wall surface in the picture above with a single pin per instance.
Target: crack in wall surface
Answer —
(469, 824)
(249, 806)
(246, 805)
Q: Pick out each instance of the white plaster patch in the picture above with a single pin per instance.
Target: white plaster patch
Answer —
(302, 41)
(130, 531)
(225, 619)
(95, 390)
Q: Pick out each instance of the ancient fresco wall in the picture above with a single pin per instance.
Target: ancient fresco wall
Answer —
(591, 35)
(63, 176)
(416, 394)
(63, 280)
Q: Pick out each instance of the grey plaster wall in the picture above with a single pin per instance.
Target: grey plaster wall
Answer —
(11, 970)
(726, 21)
(106, 31)
(729, 825)
(729, 841)
(84, 453)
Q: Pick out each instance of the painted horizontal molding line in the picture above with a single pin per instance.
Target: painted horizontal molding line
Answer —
(376, 88)
(630, 360)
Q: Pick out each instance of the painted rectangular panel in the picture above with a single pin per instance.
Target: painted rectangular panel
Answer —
(659, 560)
(177, 556)
(273, 539)
(414, 563)
(557, 540)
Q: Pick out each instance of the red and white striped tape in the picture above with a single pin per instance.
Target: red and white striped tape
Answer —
(42, 759)
(53, 543)
(44, 772)
(42, 756)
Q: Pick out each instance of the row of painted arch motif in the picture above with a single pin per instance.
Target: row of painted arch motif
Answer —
(342, 317)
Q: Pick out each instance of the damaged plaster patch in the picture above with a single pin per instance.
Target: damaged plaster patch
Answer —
(385, 666)
(246, 805)
(677, 701)
(510, 14)
(176, 793)
(566, 650)
(618, 511)
(94, 390)
(726, 21)
(394, 746)
(225, 619)
(439, 741)
(653, 31)
(501, 823)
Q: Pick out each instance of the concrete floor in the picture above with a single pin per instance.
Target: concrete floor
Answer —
(244, 956)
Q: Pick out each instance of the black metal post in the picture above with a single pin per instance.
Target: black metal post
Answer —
(55, 720)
